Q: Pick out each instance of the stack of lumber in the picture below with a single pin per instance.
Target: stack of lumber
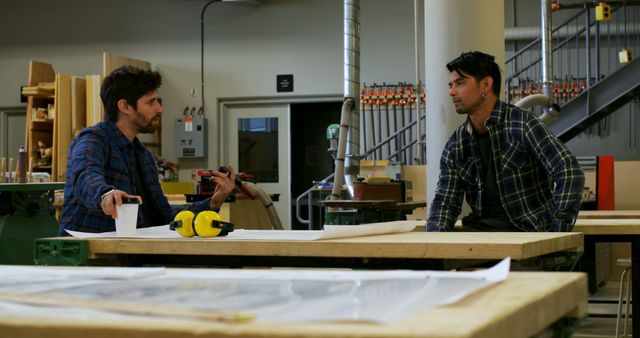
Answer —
(45, 89)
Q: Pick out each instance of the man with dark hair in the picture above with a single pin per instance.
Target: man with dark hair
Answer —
(107, 162)
(514, 173)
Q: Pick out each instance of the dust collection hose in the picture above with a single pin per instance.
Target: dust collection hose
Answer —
(551, 110)
(338, 178)
(266, 202)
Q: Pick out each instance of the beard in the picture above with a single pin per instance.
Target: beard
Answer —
(462, 111)
(146, 126)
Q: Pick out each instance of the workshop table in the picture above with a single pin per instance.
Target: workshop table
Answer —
(608, 231)
(608, 214)
(525, 304)
(419, 250)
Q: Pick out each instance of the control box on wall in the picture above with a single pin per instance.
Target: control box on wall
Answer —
(191, 136)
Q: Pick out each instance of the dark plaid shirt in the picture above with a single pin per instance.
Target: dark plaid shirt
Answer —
(539, 180)
(100, 158)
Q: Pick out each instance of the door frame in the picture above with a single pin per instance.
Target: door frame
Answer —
(226, 103)
(5, 114)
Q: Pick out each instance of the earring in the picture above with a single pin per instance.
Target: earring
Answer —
(483, 96)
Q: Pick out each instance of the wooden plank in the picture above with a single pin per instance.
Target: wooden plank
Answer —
(416, 174)
(40, 72)
(95, 109)
(39, 91)
(78, 104)
(623, 226)
(609, 214)
(627, 185)
(61, 127)
(412, 245)
(502, 310)
(112, 61)
(140, 64)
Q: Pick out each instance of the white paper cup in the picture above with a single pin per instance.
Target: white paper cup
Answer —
(127, 218)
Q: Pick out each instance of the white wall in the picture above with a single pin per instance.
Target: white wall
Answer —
(245, 47)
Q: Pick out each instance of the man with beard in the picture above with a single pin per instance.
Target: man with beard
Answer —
(514, 173)
(107, 162)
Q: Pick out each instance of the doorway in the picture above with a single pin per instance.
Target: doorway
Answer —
(259, 146)
(251, 129)
(310, 160)
(12, 128)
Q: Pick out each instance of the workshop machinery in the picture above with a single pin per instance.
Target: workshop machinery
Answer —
(26, 213)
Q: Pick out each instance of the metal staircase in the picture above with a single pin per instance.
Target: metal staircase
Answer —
(602, 99)
(590, 82)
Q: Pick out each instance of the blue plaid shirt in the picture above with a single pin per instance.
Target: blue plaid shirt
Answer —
(539, 180)
(100, 158)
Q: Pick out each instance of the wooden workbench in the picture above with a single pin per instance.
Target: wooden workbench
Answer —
(607, 230)
(607, 226)
(625, 230)
(608, 214)
(522, 306)
(393, 248)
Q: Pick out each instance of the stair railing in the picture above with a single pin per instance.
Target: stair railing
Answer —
(584, 51)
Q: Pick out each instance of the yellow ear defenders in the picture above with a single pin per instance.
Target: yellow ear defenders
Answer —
(207, 224)
(183, 223)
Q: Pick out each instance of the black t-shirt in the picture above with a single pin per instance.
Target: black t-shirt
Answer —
(494, 217)
(150, 216)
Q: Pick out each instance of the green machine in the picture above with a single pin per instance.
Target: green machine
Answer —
(372, 202)
(333, 133)
(371, 211)
(26, 213)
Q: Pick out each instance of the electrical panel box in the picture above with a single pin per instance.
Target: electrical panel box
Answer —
(191, 136)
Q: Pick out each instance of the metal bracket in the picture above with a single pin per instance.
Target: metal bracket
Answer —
(60, 252)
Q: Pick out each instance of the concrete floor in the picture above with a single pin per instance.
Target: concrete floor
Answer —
(603, 307)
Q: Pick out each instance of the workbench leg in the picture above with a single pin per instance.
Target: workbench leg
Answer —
(565, 327)
(589, 263)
